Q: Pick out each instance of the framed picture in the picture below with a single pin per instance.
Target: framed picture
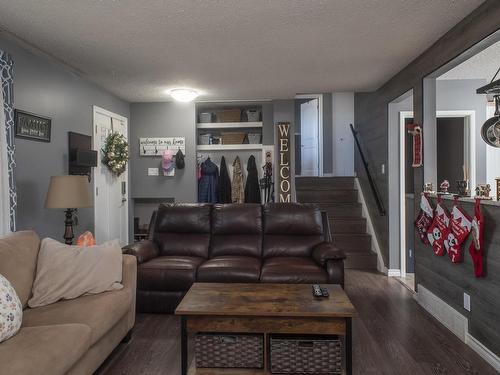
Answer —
(31, 126)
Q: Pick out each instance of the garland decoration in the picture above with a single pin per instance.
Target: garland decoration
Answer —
(115, 153)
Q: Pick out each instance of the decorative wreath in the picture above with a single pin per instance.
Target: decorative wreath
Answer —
(115, 153)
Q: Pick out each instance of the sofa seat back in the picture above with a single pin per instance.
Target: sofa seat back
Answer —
(18, 259)
(236, 230)
(183, 229)
(291, 229)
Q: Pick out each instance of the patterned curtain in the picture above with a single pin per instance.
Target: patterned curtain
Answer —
(6, 64)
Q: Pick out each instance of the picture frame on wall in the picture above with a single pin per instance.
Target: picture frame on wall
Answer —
(31, 126)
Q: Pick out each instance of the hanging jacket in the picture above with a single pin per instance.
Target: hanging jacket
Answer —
(238, 185)
(224, 184)
(252, 188)
(207, 186)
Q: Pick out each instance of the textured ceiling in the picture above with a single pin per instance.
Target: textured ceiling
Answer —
(483, 65)
(233, 49)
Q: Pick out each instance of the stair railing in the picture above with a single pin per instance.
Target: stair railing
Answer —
(371, 181)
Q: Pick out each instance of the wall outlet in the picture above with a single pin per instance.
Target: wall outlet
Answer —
(466, 302)
(153, 172)
(383, 169)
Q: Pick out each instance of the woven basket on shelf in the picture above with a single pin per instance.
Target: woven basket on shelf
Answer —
(229, 351)
(233, 138)
(228, 115)
(299, 355)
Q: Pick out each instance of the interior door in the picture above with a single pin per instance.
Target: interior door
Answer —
(450, 150)
(111, 192)
(309, 131)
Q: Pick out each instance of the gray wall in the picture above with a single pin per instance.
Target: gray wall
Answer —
(371, 116)
(163, 120)
(49, 89)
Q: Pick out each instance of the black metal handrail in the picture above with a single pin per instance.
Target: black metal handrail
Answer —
(373, 186)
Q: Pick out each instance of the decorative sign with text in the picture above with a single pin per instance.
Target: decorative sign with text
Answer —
(156, 146)
(31, 126)
(284, 180)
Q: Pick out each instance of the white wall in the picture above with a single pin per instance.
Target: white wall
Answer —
(343, 142)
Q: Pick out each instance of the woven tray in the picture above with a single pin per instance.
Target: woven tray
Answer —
(306, 355)
(233, 138)
(229, 115)
(229, 351)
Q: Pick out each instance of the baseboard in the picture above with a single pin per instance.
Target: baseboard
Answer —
(394, 272)
(370, 228)
(483, 351)
(455, 322)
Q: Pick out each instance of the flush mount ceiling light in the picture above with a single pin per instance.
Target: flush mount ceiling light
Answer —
(184, 95)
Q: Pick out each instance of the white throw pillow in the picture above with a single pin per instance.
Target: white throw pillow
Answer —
(67, 272)
(11, 310)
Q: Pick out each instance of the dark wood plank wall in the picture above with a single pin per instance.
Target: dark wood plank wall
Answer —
(371, 120)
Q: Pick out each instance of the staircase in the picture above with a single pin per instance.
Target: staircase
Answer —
(338, 197)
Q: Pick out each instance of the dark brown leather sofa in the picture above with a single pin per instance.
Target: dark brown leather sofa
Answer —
(237, 243)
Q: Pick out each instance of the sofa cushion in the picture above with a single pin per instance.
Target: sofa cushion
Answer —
(183, 229)
(11, 310)
(230, 269)
(168, 273)
(51, 349)
(292, 270)
(18, 257)
(100, 312)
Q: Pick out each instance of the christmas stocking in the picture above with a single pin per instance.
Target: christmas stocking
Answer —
(438, 230)
(460, 227)
(476, 248)
(424, 218)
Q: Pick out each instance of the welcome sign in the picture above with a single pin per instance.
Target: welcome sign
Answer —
(284, 180)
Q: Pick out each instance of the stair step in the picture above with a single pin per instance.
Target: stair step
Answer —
(348, 225)
(361, 260)
(334, 210)
(353, 242)
(324, 183)
(328, 196)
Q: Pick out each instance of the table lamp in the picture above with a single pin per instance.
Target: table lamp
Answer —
(69, 193)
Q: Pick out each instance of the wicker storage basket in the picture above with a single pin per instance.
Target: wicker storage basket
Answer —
(253, 115)
(306, 355)
(231, 350)
(233, 138)
(204, 139)
(229, 115)
(205, 117)
(254, 138)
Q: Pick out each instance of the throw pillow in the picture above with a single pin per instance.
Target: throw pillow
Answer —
(11, 310)
(67, 272)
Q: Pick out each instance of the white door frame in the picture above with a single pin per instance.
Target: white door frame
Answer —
(320, 128)
(469, 155)
(98, 110)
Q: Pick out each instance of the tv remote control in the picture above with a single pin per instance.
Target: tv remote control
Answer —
(324, 292)
(317, 291)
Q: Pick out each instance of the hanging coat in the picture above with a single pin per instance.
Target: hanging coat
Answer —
(252, 188)
(224, 184)
(238, 185)
(207, 186)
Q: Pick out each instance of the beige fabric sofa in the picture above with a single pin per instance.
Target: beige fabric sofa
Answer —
(67, 337)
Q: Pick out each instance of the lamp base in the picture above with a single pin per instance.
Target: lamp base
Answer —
(68, 231)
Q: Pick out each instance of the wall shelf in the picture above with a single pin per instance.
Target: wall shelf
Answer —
(229, 125)
(229, 147)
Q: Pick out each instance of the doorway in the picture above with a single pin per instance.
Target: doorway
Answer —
(308, 135)
(110, 191)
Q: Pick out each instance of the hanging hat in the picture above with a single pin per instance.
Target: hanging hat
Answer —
(179, 160)
(167, 160)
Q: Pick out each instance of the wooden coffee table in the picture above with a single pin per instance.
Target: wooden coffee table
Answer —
(265, 309)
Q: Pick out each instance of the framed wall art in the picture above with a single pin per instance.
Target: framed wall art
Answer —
(31, 126)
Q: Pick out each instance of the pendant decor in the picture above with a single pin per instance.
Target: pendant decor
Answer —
(115, 153)
(416, 131)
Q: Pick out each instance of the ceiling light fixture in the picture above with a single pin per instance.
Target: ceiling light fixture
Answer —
(184, 95)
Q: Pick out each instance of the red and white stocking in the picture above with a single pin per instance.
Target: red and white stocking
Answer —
(438, 230)
(460, 227)
(424, 218)
(476, 248)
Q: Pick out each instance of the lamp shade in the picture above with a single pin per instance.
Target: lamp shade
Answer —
(69, 192)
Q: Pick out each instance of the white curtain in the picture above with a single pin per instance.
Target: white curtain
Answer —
(4, 174)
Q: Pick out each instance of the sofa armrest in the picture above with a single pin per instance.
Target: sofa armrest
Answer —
(143, 251)
(326, 251)
(129, 281)
(328, 256)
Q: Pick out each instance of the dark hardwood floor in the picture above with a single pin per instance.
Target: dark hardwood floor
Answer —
(392, 335)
